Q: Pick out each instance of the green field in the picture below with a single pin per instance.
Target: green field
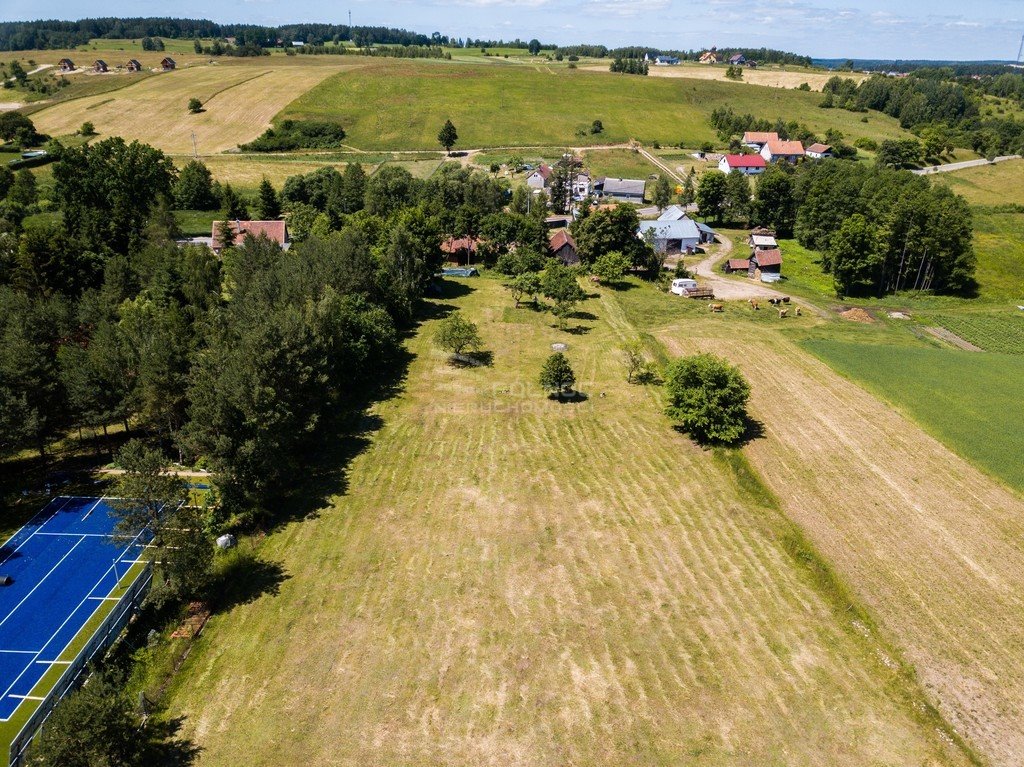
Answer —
(1002, 333)
(966, 399)
(398, 104)
(998, 184)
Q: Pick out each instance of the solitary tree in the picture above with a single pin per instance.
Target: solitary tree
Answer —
(526, 284)
(561, 286)
(195, 106)
(662, 192)
(556, 376)
(456, 334)
(707, 398)
(87, 129)
(448, 136)
(144, 490)
(534, 47)
(634, 358)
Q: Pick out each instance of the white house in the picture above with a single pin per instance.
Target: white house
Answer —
(787, 151)
(819, 151)
(665, 61)
(757, 139)
(581, 187)
(538, 179)
(747, 164)
(672, 233)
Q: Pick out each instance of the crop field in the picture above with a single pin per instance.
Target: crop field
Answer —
(239, 102)
(1001, 333)
(771, 77)
(511, 581)
(398, 104)
(927, 540)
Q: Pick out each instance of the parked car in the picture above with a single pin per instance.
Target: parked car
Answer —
(683, 286)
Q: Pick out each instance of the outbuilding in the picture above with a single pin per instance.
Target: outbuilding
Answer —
(66, 65)
(819, 151)
(100, 66)
(563, 247)
(133, 65)
(621, 189)
(167, 64)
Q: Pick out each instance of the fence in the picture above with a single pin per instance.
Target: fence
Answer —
(102, 638)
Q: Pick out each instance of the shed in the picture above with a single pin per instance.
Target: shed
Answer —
(767, 260)
(736, 265)
(563, 247)
(66, 65)
(133, 65)
(167, 64)
(819, 151)
(763, 242)
(100, 66)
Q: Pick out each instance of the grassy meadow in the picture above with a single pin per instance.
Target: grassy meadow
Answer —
(996, 184)
(400, 104)
(510, 580)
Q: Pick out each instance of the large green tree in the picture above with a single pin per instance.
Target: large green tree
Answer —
(193, 189)
(707, 398)
(557, 376)
(774, 205)
(456, 334)
(448, 136)
(560, 285)
(855, 257)
(712, 194)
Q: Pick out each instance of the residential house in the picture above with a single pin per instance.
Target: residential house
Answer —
(100, 66)
(563, 247)
(819, 151)
(66, 65)
(581, 187)
(621, 189)
(666, 61)
(747, 164)
(757, 139)
(681, 235)
(738, 60)
(133, 65)
(167, 64)
(275, 231)
(709, 57)
(539, 178)
(460, 249)
(778, 150)
(297, 44)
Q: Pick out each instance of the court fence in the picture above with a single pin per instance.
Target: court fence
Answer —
(102, 638)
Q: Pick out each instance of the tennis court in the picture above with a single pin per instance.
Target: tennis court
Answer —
(64, 565)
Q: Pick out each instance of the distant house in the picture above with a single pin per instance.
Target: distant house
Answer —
(675, 235)
(666, 61)
(275, 231)
(133, 65)
(563, 247)
(66, 65)
(458, 249)
(766, 261)
(757, 139)
(581, 187)
(297, 43)
(738, 60)
(621, 189)
(747, 164)
(786, 151)
(167, 64)
(709, 57)
(100, 66)
(539, 178)
(819, 151)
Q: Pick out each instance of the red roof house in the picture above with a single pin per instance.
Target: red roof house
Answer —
(778, 149)
(750, 164)
(275, 231)
(460, 247)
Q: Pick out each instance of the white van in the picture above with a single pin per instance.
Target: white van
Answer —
(683, 285)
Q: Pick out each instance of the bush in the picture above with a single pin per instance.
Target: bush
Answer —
(298, 134)
(868, 144)
(707, 398)
(87, 129)
(195, 106)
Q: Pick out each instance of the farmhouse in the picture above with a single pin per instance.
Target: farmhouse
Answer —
(738, 60)
(709, 57)
(100, 66)
(133, 65)
(621, 189)
(275, 231)
(673, 234)
(539, 178)
(819, 151)
(757, 139)
(581, 186)
(563, 247)
(747, 164)
(66, 65)
(167, 64)
(459, 248)
(784, 151)
(666, 61)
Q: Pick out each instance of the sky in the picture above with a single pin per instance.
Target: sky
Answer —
(889, 29)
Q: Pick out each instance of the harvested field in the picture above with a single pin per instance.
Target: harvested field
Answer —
(773, 78)
(500, 585)
(239, 102)
(928, 541)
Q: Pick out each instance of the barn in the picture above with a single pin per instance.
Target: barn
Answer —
(563, 247)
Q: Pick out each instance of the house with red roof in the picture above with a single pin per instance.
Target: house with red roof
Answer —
(275, 231)
(819, 151)
(747, 164)
(778, 150)
(458, 249)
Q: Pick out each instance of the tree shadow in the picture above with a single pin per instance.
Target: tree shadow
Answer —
(753, 430)
(162, 744)
(584, 316)
(478, 359)
(577, 330)
(244, 577)
(569, 398)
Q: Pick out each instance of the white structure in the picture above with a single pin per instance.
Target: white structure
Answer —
(819, 151)
(675, 235)
(747, 164)
(581, 187)
(538, 179)
(763, 242)
(622, 189)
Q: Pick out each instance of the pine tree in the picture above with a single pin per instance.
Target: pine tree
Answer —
(448, 136)
(268, 207)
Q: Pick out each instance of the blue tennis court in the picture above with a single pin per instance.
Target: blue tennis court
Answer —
(63, 565)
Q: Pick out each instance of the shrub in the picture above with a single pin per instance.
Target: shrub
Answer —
(195, 106)
(557, 376)
(298, 134)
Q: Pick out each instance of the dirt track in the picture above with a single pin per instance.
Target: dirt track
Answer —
(931, 544)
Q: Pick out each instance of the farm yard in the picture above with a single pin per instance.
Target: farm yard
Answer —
(535, 603)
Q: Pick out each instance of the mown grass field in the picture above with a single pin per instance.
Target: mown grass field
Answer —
(398, 104)
(999, 184)
(239, 102)
(511, 581)
(770, 76)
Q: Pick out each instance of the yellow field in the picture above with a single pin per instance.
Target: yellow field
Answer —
(997, 184)
(239, 102)
(246, 171)
(511, 581)
(773, 78)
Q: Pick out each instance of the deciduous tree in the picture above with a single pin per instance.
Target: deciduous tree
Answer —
(707, 398)
(557, 376)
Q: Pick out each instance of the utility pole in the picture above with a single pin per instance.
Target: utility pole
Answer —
(195, 148)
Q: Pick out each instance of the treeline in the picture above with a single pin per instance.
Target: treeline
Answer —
(44, 34)
(387, 51)
(879, 230)
(629, 66)
(298, 134)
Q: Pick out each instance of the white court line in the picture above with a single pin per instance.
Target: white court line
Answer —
(54, 662)
(90, 511)
(106, 599)
(25, 697)
(6, 693)
(22, 652)
(36, 531)
(80, 535)
(40, 583)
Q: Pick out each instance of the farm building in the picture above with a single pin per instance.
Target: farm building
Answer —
(539, 178)
(563, 247)
(819, 151)
(133, 65)
(747, 164)
(665, 61)
(675, 213)
(66, 65)
(100, 66)
(778, 150)
(763, 242)
(621, 189)
(738, 60)
(736, 265)
(460, 249)
(557, 221)
(766, 261)
(757, 139)
(275, 231)
(167, 64)
(680, 235)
